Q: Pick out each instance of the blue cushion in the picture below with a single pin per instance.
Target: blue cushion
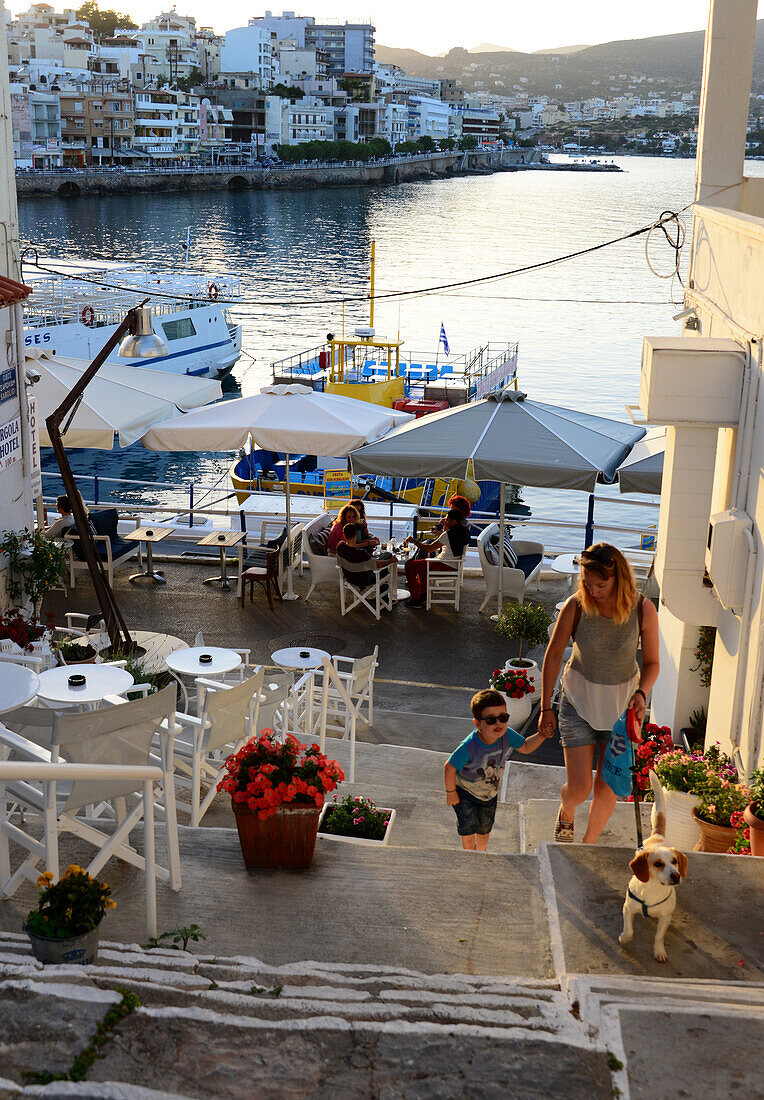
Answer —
(528, 562)
(105, 523)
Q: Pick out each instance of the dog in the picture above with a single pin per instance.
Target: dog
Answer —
(658, 870)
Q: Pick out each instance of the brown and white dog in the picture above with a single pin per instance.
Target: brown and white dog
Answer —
(657, 871)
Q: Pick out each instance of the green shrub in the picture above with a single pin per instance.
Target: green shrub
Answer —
(527, 623)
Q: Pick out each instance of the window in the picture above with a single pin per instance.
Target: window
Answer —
(181, 329)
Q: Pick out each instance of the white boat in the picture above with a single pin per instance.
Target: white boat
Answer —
(76, 306)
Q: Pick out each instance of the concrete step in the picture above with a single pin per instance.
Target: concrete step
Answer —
(537, 817)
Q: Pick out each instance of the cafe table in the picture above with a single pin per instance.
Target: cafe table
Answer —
(83, 684)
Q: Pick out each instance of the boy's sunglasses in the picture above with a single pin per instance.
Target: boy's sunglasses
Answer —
(492, 719)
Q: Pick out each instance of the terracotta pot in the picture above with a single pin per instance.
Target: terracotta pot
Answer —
(756, 825)
(285, 840)
(713, 838)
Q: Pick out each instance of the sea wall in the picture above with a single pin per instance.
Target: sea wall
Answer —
(93, 181)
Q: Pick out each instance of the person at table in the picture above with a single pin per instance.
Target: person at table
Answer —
(459, 504)
(65, 520)
(350, 551)
(365, 539)
(346, 514)
(449, 546)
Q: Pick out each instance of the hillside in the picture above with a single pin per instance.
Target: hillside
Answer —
(666, 64)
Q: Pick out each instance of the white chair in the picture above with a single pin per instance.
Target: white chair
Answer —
(357, 676)
(228, 716)
(376, 597)
(323, 567)
(444, 584)
(333, 685)
(111, 736)
(514, 581)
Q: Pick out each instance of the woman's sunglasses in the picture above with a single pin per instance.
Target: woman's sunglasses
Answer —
(601, 557)
(492, 719)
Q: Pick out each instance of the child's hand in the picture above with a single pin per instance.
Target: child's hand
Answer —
(452, 798)
(547, 724)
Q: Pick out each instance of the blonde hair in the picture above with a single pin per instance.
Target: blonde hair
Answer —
(611, 563)
(342, 515)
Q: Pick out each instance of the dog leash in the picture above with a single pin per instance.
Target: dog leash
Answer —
(644, 904)
(633, 730)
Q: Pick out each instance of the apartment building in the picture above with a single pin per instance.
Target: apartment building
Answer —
(166, 125)
(97, 127)
(36, 124)
(247, 111)
(427, 117)
(169, 41)
(248, 50)
(293, 122)
(349, 47)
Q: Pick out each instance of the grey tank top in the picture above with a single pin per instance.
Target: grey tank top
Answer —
(605, 653)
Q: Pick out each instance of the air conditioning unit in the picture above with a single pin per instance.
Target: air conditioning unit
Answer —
(727, 556)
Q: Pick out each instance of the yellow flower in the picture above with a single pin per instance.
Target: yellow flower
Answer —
(44, 880)
(111, 904)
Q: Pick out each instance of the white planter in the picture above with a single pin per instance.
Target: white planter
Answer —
(530, 668)
(363, 841)
(519, 710)
(681, 830)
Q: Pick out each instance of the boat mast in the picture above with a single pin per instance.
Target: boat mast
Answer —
(371, 294)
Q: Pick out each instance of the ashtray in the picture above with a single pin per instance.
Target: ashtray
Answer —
(77, 680)
(205, 658)
(149, 534)
(221, 538)
(305, 653)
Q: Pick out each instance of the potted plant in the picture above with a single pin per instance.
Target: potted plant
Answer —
(694, 735)
(64, 927)
(36, 564)
(70, 652)
(277, 790)
(704, 653)
(18, 628)
(719, 801)
(356, 820)
(516, 687)
(656, 740)
(683, 776)
(528, 623)
(754, 813)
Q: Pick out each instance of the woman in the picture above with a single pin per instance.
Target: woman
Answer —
(364, 539)
(346, 514)
(604, 620)
(450, 545)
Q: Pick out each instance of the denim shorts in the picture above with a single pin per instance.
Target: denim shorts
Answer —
(473, 815)
(575, 731)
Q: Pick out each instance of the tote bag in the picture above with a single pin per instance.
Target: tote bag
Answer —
(616, 767)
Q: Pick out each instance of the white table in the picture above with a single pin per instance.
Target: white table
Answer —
(293, 660)
(18, 686)
(565, 564)
(185, 662)
(100, 680)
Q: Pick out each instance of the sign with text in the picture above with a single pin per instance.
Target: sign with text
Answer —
(338, 485)
(33, 449)
(8, 388)
(10, 442)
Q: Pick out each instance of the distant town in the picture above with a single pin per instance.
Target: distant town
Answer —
(91, 89)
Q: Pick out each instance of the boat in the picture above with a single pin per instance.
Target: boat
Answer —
(77, 305)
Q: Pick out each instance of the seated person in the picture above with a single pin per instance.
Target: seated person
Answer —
(450, 545)
(365, 538)
(65, 521)
(346, 515)
(459, 504)
(349, 551)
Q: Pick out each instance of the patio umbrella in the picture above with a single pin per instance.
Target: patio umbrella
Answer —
(120, 400)
(506, 437)
(642, 471)
(292, 419)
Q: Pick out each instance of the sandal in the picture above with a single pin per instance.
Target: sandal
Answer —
(563, 830)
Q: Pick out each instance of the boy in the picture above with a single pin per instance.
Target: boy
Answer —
(473, 772)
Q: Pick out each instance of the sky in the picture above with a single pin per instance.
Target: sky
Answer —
(436, 27)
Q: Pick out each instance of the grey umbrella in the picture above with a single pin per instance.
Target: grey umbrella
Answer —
(505, 437)
(642, 471)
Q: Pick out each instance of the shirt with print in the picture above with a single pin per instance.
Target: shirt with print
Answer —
(479, 767)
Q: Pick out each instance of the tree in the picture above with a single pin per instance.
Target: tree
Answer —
(447, 144)
(285, 92)
(426, 144)
(195, 77)
(103, 23)
(468, 142)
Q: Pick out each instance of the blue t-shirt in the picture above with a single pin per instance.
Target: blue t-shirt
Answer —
(479, 767)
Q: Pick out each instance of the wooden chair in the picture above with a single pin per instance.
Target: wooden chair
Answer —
(266, 575)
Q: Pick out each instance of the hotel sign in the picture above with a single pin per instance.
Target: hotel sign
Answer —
(10, 442)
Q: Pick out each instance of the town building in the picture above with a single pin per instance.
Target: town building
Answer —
(248, 50)
(96, 127)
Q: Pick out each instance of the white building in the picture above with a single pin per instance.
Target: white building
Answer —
(170, 42)
(707, 386)
(295, 122)
(166, 124)
(393, 118)
(427, 118)
(248, 50)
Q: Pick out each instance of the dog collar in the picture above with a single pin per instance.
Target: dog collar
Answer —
(644, 904)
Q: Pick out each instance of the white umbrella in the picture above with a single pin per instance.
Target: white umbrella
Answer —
(120, 400)
(287, 418)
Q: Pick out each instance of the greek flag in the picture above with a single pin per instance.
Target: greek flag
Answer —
(444, 339)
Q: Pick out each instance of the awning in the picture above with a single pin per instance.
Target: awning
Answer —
(120, 400)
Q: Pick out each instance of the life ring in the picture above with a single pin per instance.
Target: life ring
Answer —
(212, 291)
(87, 315)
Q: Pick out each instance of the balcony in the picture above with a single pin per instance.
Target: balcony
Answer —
(728, 254)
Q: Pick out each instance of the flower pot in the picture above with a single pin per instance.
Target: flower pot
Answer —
(756, 825)
(285, 840)
(519, 710)
(713, 838)
(362, 840)
(681, 827)
(75, 949)
(61, 659)
(530, 668)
